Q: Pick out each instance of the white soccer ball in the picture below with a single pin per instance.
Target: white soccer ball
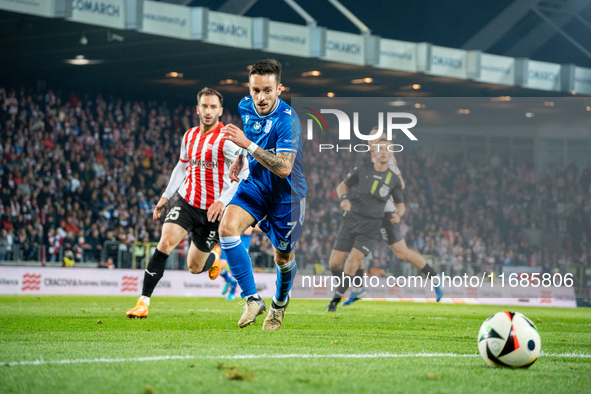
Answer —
(509, 339)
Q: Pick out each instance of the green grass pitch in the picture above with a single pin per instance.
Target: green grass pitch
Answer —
(190, 345)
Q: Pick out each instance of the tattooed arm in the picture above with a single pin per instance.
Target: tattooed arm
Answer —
(280, 163)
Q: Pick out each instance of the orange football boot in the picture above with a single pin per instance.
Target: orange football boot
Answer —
(140, 311)
(216, 268)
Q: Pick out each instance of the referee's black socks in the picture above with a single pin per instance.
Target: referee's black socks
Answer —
(343, 287)
(428, 270)
(336, 272)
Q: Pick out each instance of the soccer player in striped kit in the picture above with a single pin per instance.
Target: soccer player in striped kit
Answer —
(201, 178)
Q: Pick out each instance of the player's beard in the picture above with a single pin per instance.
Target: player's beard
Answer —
(214, 120)
(268, 107)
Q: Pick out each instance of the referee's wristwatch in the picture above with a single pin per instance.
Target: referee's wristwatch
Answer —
(344, 197)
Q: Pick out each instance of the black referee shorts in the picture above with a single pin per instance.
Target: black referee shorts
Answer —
(390, 232)
(357, 232)
(204, 234)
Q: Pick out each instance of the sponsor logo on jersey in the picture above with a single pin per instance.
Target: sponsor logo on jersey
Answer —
(268, 126)
(204, 164)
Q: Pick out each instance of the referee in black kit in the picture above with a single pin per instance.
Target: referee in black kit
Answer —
(364, 211)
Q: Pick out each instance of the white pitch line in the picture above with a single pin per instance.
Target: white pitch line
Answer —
(264, 356)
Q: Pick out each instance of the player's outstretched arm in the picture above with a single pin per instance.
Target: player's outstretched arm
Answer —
(176, 179)
(280, 164)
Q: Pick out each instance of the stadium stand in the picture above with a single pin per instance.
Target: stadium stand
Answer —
(80, 174)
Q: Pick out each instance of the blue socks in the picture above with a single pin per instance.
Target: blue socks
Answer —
(240, 264)
(224, 274)
(241, 267)
(285, 277)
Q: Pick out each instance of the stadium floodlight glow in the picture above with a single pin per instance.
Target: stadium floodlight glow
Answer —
(398, 103)
(502, 98)
(174, 74)
(331, 94)
(83, 40)
(549, 103)
(463, 111)
(573, 92)
(589, 108)
(361, 80)
(284, 88)
(529, 115)
(416, 86)
(417, 105)
(80, 60)
(314, 73)
(249, 67)
(229, 82)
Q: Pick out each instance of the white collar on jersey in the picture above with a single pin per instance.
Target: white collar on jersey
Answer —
(269, 114)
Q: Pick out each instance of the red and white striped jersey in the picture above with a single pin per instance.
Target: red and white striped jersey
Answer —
(208, 159)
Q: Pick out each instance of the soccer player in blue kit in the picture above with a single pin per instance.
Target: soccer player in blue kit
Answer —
(274, 194)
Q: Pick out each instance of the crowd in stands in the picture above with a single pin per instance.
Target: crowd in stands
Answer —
(79, 170)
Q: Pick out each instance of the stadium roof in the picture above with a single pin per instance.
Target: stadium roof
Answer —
(132, 64)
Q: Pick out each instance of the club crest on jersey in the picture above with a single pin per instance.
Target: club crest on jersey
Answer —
(257, 126)
(384, 190)
(283, 245)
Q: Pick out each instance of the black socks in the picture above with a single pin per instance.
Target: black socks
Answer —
(209, 262)
(154, 271)
(428, 270)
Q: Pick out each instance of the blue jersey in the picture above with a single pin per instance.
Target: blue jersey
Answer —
(279, 131)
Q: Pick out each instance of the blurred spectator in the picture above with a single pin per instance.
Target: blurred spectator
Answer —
(77, 171)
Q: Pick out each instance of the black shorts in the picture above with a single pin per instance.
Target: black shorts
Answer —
(390, 232)
(204, 234)
(357, 232)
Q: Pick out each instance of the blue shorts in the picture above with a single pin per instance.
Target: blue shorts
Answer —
(281, 222)
(245, 241)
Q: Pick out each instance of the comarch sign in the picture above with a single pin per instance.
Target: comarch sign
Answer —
(447, 62)
(118, 14)
(344, 47)
(230, 30)
(540, 75)
(398, 55)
